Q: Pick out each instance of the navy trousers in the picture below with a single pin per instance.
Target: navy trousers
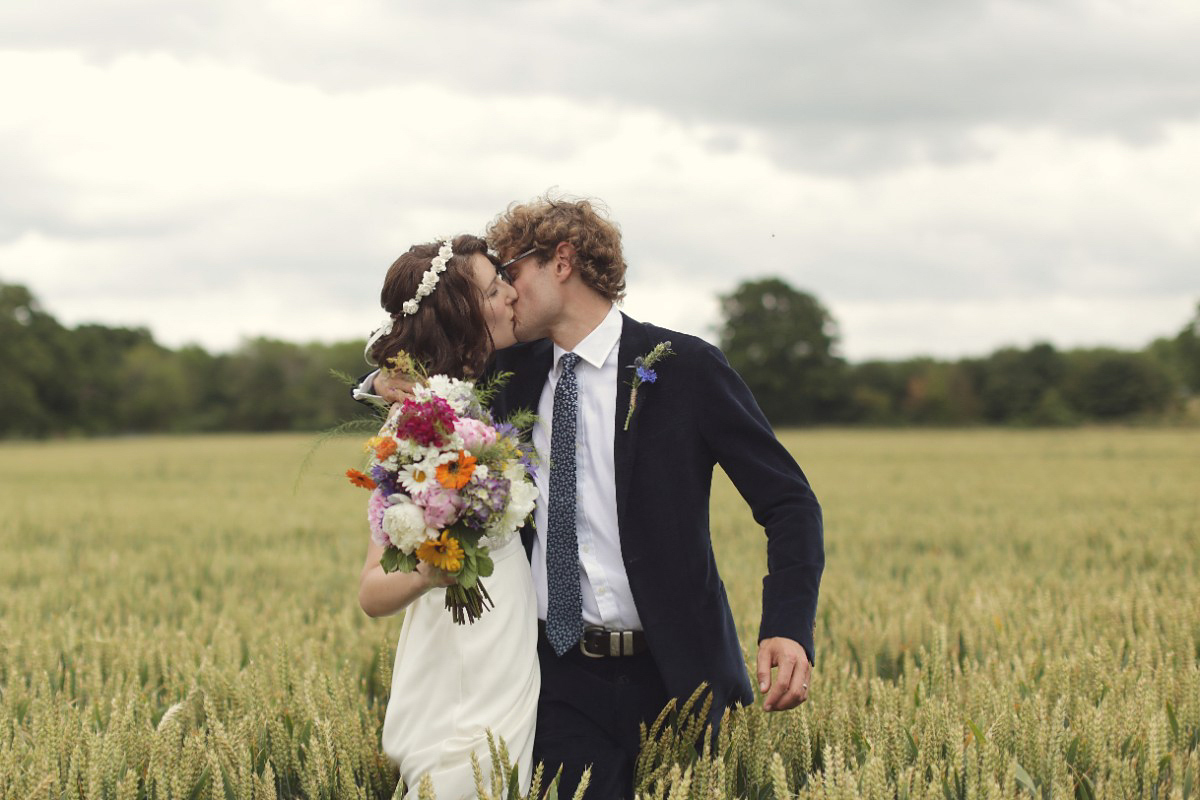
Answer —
(588, 714)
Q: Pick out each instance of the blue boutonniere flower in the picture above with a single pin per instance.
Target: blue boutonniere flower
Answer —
(643, 372)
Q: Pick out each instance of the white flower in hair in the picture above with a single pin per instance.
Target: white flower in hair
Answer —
(431, 277)
(429, 281)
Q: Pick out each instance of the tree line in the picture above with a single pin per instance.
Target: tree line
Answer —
(100, 380)
(784, 343)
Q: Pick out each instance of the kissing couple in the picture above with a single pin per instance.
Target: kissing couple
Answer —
(610, 604)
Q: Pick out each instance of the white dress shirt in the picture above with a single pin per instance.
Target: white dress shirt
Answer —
(607, 599)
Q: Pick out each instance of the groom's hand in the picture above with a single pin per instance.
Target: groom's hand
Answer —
(790, 687)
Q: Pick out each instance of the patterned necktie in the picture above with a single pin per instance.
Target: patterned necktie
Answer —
(564, 604)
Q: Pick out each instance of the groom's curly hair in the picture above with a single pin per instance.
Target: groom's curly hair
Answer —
(542, 223)
(449, 333)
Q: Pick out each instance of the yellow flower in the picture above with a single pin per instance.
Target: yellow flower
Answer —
(445, 553)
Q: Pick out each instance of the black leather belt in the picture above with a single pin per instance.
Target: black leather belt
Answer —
(597, 642)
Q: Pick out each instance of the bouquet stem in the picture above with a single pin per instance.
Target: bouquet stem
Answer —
(467, 605)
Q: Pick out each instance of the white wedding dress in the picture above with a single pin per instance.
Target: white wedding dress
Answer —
(452, 683)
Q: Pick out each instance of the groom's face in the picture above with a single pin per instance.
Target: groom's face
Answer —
(537, 298)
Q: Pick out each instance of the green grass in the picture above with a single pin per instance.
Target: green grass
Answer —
(1002, 613)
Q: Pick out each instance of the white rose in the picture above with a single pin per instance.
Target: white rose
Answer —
(404, 523)
(521, 500)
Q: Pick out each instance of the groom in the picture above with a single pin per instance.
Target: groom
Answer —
(632, 609)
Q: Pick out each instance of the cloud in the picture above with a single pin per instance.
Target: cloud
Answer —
(834, 87)
(218, 170)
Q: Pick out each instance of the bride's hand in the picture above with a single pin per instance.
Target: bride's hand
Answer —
(434, 577)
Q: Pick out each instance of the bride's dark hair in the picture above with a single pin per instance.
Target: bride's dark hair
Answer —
(448, 334)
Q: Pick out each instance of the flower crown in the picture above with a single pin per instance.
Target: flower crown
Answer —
(429, 282)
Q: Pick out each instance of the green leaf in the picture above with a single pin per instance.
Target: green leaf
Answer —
(912, 746)
(390, 560)
(552, 790)
(1025, 781)
(1072, 751)
(978, 734)
(468, 578)
(230, 792)
(1085, 790)
(484, 565)
(201, 785)
(1174, 722)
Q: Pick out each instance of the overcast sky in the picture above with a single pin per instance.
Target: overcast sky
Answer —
(947, 177)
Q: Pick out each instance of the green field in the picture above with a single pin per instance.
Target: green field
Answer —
(1003, 613)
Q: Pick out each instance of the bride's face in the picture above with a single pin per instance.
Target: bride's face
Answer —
(498, 299)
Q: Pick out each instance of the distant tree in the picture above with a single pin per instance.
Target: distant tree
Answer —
(1112, 384)
(21, 412)
(940, 393)
(1016, 382)
(1187, 353)
(783, 342)
(876, 390)
(154, 390)
(95, 384)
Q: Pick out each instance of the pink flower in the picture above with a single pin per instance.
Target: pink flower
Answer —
(475, 434)
(441, 508)
(376, 505)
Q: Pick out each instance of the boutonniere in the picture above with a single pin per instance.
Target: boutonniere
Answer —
(643, 372)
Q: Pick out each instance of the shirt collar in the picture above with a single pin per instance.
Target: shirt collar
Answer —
(597, 345)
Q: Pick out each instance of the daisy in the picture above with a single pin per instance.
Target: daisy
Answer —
(418, 477)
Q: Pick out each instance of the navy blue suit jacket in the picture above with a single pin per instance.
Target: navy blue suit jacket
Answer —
(698, 413)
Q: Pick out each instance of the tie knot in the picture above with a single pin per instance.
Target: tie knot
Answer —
(568, 361)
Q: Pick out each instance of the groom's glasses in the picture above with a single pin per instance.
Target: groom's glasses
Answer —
(503, 268)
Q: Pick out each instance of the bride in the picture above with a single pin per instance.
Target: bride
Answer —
(452, 683)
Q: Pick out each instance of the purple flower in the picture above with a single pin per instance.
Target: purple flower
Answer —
(526, 460)
(647, 375)
(385, 480)
(483, 498)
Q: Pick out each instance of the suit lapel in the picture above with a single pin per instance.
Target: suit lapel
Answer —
(524, 389)
(634, 343)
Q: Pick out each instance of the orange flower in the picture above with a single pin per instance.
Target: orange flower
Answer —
(444, 553)
(455, 474)
(360, 479)
(385, 448)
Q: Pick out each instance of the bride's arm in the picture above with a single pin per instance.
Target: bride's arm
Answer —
(382, 594)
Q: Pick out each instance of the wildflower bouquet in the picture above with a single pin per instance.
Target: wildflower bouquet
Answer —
(448, 484)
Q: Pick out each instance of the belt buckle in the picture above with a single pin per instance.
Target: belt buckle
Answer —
(583, 641)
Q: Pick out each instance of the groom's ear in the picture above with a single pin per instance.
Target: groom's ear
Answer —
(563, 260)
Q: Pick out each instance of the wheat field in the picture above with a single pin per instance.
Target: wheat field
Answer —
(1003, 614)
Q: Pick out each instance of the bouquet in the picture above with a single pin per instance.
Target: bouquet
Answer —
(448, 484)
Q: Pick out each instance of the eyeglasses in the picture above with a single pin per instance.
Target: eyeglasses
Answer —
(503, 268)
